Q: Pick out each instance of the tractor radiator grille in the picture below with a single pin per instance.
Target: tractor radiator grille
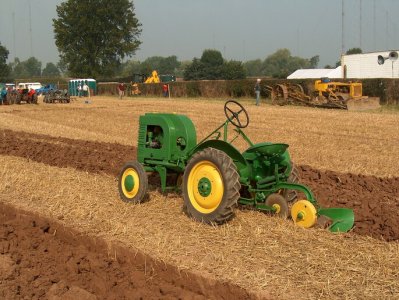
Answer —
(142, 135)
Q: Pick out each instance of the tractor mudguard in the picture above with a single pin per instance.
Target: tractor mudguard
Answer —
(242, 166)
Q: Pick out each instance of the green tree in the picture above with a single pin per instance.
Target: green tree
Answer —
(212, 66)
(182, 66)
(233, 70)
(4, 68)
(164, 65)
(354, 51)
(314, 61)
(31, 67)
(212, 63)
(212, 57)
(253, 67)
(195, 70)
(130, 67)
(94, 36)
(51, 70)
(169, 65)
(280, 64)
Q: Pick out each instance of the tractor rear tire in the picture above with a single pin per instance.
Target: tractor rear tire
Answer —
(211, 187)
(133, 182)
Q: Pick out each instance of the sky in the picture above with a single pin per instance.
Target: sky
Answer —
(240, 30)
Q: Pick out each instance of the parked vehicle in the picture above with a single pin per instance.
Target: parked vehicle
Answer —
(45, 89)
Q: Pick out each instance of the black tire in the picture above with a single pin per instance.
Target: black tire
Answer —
(18, 99)
(133, 192)
(34, 99)
(292, 195)
(223, 191)
(280, 202)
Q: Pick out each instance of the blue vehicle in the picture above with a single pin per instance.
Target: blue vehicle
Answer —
(44, 90)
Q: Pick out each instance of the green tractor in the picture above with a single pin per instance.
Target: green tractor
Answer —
(215, 176)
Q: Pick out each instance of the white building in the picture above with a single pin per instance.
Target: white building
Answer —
(316, 73)
(366, 65)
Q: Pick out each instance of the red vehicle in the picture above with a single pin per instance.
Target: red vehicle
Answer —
(26, 95)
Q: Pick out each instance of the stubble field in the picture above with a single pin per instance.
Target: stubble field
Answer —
(58, 165)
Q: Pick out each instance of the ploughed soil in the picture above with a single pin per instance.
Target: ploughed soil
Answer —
(375, 200)
(41, 259)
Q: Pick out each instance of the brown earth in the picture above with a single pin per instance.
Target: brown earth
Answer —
(374, 200)
(41, 259)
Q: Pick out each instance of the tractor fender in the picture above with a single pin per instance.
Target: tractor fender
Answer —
(242, 166)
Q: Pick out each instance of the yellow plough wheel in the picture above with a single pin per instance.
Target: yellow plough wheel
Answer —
(304, 213)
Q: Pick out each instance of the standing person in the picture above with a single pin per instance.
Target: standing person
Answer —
(3, 95)
(79, 90)
(86, 90)
(257, 91)
(121, 90)
(165, 90)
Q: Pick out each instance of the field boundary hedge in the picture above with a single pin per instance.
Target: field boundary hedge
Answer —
(386, 89)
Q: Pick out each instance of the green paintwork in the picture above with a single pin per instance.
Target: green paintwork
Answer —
(342, 218)
(204, 187)
(166, 142)
(242, 167)
(268, 149)
(129, 183)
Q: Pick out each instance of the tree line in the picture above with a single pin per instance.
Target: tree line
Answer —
(102, 47)
(210, 66)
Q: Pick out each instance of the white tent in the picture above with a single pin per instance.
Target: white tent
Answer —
(316, 73)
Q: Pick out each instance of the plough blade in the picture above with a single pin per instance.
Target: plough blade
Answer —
(342, 219)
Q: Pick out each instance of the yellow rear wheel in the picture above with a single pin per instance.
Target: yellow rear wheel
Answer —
(304, 213)
(205, 187)
(211, 187)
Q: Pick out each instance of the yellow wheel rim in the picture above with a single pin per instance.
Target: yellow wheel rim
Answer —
(277, 208)
(205, 187)
(304, 213)
(130, 183)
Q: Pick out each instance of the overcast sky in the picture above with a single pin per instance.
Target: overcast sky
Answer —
(240, 30)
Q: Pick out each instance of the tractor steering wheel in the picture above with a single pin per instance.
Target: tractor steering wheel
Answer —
(232, 112)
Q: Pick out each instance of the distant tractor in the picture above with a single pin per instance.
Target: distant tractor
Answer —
(26, 95)
(215, 176)
(326, 94)
(54, 96)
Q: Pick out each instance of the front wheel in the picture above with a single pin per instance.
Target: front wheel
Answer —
(211, 187)
(133, 182)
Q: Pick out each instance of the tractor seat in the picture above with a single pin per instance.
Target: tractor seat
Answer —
(268, 149)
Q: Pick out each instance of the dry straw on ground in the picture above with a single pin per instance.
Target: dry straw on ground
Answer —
(356, 142)
(260, 253)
